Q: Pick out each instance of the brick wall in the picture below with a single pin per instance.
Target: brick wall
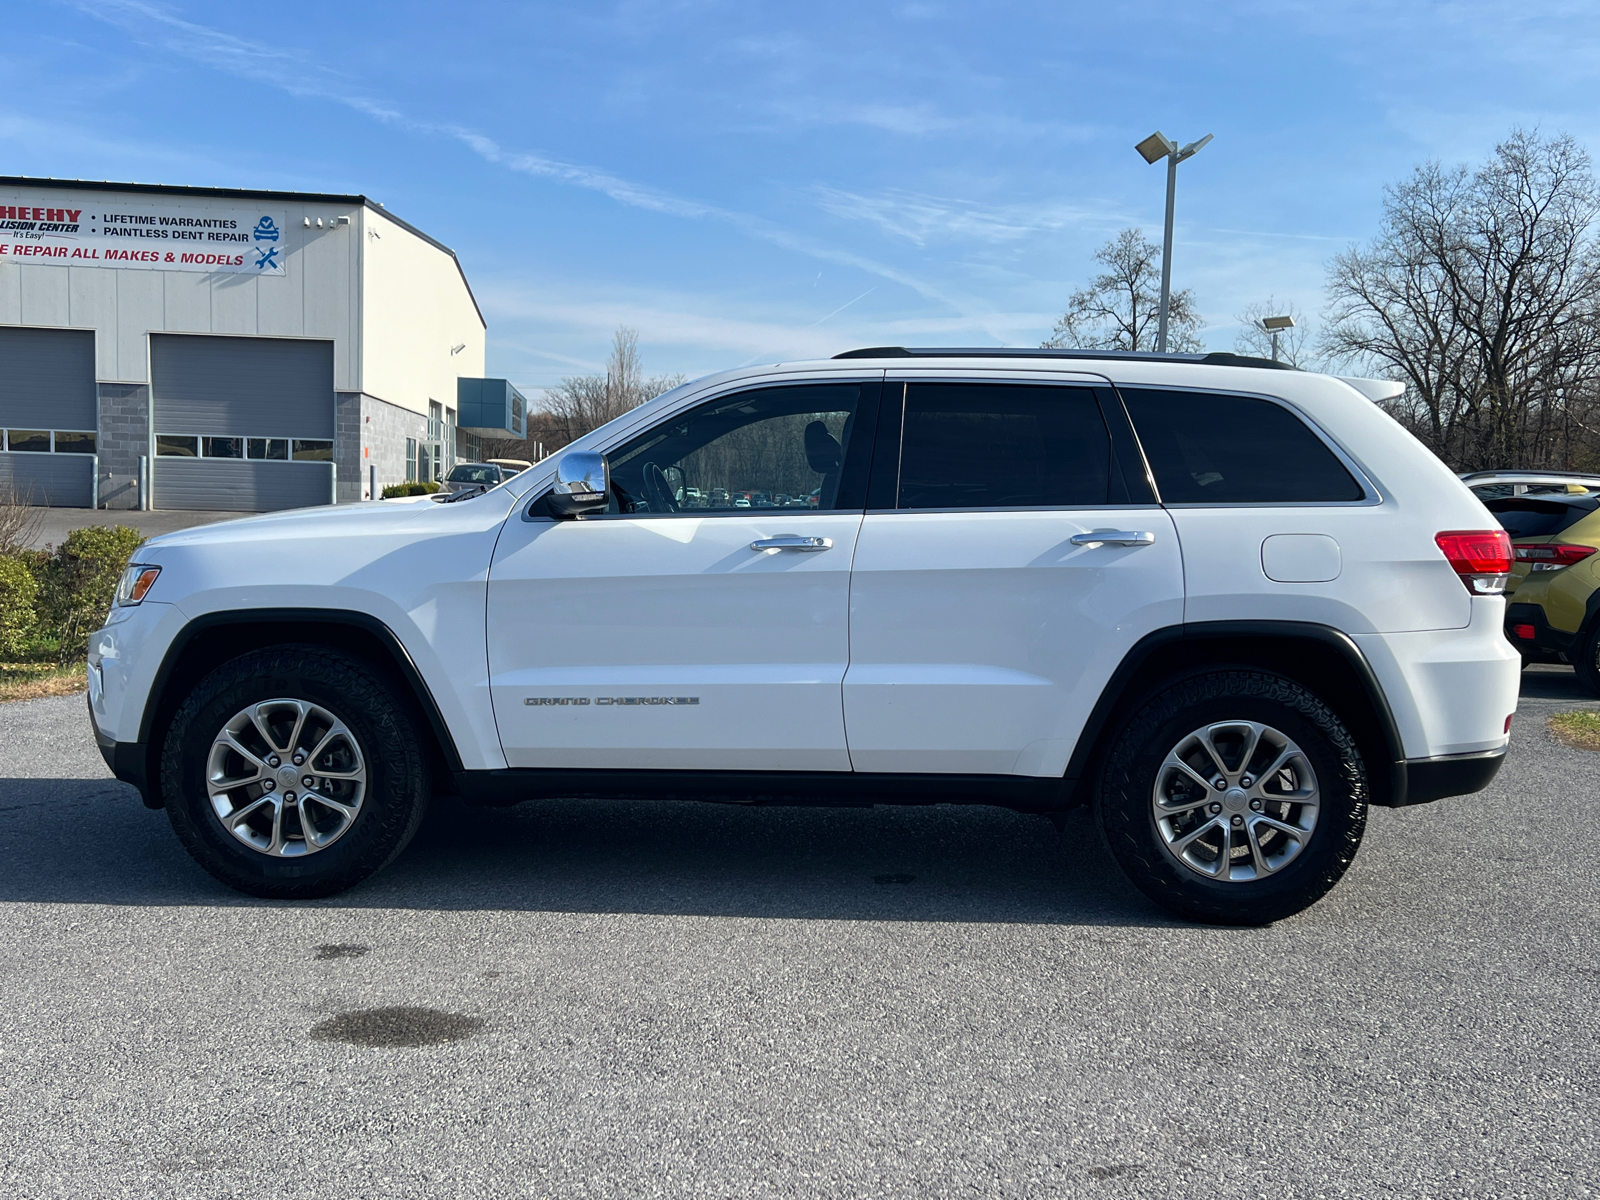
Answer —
(123, 436)
(372, 432)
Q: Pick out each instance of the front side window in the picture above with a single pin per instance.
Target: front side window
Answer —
(1220, 448)
(984, 445)
(772, 448)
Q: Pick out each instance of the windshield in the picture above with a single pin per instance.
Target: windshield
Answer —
(475, 473)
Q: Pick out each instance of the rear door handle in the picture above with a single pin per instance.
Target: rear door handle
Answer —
(790, 541)
(1113, 537)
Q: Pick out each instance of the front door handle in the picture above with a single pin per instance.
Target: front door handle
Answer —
(790, 541)
(1113, 537)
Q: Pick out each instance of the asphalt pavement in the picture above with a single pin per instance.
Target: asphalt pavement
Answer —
(638, 1000)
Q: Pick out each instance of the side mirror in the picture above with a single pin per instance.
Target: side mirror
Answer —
(583, 484)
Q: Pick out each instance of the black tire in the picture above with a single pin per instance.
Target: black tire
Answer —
(396, 787)
(1585, 656)
(1134, 762)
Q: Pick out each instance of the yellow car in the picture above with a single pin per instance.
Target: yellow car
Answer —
(1553, 598)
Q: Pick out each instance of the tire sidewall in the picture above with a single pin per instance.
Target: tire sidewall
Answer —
(1127, 818)
(390, 809)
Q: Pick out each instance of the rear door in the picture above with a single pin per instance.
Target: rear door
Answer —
(981, 632)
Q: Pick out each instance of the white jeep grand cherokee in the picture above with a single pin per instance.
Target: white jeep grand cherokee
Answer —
(1230, 607)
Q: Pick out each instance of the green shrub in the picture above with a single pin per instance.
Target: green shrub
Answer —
(395, 490)
(19, 592)
(78, 582)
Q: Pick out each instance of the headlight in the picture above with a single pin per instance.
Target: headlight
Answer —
(135, 584)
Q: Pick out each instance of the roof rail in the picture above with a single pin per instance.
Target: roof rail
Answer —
(1215, 358)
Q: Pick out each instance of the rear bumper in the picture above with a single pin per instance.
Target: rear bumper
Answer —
(1429, 779)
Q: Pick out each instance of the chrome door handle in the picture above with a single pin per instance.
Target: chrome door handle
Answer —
(1113, 537)
(790, 541)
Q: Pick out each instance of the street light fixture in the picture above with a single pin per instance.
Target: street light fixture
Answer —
(1153, 149)
(1275, 326)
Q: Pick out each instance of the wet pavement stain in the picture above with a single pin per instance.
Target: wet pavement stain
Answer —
(340, 950)
(396, 1027)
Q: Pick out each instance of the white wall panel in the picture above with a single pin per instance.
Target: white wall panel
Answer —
(140, 308)
(280, 303)
(92, 301)
(233, 304)
(188, 302)
(329, 274)
(10, 294)
(45, 299)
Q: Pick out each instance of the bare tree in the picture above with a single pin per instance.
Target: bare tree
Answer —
(582, 403)
(1482, 292)
(19, 519)
(1294, 345)
(1121, 308)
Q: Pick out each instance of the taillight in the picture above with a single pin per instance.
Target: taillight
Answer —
(1482, 557)
(1548, 557)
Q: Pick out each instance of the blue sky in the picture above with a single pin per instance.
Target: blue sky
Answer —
(748, 182)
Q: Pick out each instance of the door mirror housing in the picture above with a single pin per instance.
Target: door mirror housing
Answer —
(583, 484)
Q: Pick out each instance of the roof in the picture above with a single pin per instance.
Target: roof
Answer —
(1215, 359)
(176, 189)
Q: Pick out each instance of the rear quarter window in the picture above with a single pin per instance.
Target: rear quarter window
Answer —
(1221, 448)
(1525, 518)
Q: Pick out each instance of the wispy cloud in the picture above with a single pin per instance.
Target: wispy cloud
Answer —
(920, 219)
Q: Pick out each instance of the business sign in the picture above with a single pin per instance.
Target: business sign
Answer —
(158, 233)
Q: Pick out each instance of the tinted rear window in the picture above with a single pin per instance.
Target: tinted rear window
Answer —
(1002, 446)
(1525, 518)
(475, 474)
(1216, 448)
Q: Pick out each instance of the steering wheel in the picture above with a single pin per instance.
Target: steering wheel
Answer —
(657, 491)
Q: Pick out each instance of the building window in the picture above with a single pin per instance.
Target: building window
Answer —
(28, 441)
(38, 441)
(411, 460)
(177, 445)
(222, 447)
(312, 451)
(272, 449)
(74, 442)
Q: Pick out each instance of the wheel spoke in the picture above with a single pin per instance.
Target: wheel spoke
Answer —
(1174, 762)
(1210, 747)
(1250, 748)
(1283, 827)
(1183, 843)
(1225, 855)
(1259, 858)
(301, 711)
(239, 814)
(347, 811)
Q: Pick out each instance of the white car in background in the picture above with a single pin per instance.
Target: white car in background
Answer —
(1228, 606)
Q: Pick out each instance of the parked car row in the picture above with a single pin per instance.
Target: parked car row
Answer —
(1553, 595)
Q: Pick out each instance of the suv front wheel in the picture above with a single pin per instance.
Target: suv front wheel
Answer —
(1235, 797)
(292, 772)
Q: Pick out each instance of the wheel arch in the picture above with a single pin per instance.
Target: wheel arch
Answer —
(212, 639)
(1325, 660)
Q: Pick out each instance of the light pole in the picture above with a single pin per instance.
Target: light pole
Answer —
(1275, 326)
(1154, 148)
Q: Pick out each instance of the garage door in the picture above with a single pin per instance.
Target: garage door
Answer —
(48, 415)
(242, 424)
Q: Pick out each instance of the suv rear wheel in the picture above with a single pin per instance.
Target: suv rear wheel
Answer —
(292, 772)
(1235, 797)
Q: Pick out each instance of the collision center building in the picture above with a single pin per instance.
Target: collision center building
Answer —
(206, 348)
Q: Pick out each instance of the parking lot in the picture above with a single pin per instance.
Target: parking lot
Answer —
(697, 1000)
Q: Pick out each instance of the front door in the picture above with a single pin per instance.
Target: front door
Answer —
(984, 622)
(702, 622)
